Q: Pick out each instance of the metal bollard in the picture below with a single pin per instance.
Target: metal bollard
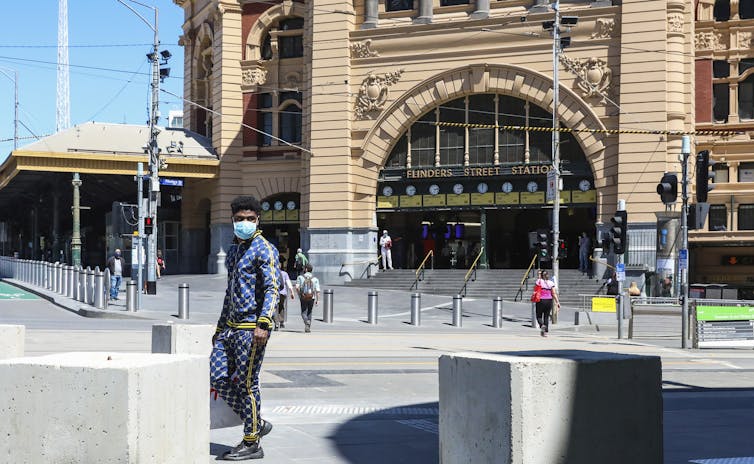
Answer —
(457, 311)
(106, 289)
(372, 307)
(71, 281)
(89, 286)
(58, 278)
(64, 280)
(327, 306)
(131, 296)
(497, 312)
(183, 301)
(534, 315)
(99, 290)
(48, 276)
(82, 285)
(416, 309)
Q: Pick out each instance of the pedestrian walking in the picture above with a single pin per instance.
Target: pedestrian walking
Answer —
(299, 263)
(547, 303)
(386, 245)
(286, 291)
(243, 328)
(160, 264)
(584, 245)
(115, 264)
(308, 294)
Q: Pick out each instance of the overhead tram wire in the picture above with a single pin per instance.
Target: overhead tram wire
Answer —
(85, 46)
(242, 124)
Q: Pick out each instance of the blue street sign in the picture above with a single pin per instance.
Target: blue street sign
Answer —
(171, 182)
(683, 259)
(620, 271)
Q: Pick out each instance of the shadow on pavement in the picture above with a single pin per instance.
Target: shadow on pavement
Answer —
(405, 434)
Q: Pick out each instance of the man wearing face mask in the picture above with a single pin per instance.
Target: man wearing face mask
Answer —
(244, 325)
(115, 264)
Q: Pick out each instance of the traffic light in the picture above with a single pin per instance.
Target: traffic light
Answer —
(543, 245)
(668, 188)
(619, 231)
(562, 249)
(703, 176)
(148, 225)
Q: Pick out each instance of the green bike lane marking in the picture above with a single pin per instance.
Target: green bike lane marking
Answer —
(9, 292)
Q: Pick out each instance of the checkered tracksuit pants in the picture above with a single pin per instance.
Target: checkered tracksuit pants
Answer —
(235, 351)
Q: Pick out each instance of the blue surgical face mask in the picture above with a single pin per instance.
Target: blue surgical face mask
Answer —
(244, 229)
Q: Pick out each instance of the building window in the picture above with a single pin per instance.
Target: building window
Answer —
(720, 102)
(540, 143)
(169, 231)
(397, 157)
(746, 9)
(721, 11)
(399, 5)
(290, 124)
(744, 64)
(452, 138)
(265, 119)
(266, 52)
(291, 46)
(511, 143)
(721, 173)
(720, 69)
(482, 139)
(453, 2)
(718, 218)
(423, 141)
(746, 217)
(746, 172)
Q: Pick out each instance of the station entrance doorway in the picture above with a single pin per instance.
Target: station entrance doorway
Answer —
(455, 237)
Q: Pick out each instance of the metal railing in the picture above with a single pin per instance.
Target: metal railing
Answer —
(368, 262)
(471, 273)
(420, 270)
(525, 280)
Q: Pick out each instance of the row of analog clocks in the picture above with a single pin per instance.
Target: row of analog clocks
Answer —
(278, 205)
(481, 187)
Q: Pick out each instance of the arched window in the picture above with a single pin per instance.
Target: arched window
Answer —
(290, 123)
(266, 53)
(721, 10)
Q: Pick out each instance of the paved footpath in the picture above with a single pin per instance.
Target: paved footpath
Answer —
(350, 392)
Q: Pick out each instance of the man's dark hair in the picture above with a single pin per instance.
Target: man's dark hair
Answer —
(245, 202)
(308, 268)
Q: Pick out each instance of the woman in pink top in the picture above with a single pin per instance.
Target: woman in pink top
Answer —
(544, 306)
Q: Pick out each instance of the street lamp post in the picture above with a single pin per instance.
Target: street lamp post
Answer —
(154, 151)
(15, 104)
(556, 140)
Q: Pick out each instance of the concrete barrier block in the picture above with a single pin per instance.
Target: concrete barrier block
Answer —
(182, 339)
(550, 407)
(12, 341)
(105, 407)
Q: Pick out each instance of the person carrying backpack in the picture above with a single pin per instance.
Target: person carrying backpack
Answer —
(308, 294)
(300, 262)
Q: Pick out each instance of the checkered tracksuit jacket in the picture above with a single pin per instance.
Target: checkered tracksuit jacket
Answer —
(251, 298)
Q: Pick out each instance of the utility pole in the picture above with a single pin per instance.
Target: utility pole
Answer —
(684, 253)
(556, 141)
(15, 104)
(140, 228)
(76, 234)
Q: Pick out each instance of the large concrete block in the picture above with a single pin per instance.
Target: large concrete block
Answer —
(550, 407)
(104, 408)
(12, 341)
(182, 339)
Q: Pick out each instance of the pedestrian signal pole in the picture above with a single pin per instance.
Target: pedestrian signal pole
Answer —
(684, 254)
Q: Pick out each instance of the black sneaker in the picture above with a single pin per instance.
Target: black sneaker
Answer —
(244, 451)
(266, 428)
(308, 328)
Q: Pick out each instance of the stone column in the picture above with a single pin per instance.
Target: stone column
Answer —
(482, 10)
(425, 12)
(371, 9)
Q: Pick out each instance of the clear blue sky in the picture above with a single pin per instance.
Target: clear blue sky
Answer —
(30, 33)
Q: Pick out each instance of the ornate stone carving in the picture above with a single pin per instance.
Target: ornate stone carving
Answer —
(675, 22)
(744, 39)
(373, 93)
(256, 76)
(709, 40)
(363, 49)
(603, 28)
(593, 75)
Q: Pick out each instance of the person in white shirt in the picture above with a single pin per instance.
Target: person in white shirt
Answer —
(386, 245)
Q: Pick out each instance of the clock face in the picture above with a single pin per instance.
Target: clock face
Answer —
(434, 189)
(507, 187)
(278, 205)
(387, 191)
(266, 206)
(584, 185)
(410, 190)
(532, 186)
(291, 205)
(458, 189)
(482, 187)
